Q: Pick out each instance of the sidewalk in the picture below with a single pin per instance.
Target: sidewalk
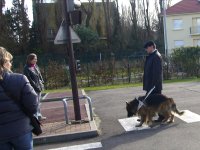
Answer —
(55, 128)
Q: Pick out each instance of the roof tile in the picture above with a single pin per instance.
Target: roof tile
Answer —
(184, 6)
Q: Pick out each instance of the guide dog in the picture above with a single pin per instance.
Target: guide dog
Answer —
(154, 104)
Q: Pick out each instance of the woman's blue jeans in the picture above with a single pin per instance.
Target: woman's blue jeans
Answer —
(24, 142)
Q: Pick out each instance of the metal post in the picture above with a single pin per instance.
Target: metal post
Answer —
(129, 73)
(65, 110)
(165, 29)
(71, 61)
(90, 106)
(88, 75)
(165, 36)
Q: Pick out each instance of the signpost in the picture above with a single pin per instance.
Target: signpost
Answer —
(62, 38)
(67, 36)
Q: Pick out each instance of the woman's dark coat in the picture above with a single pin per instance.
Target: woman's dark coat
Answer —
(35, 77)
(16, 91)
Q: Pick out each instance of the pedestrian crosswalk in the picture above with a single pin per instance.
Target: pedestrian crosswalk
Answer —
(129, 123)
(81, 147)
(189, 117)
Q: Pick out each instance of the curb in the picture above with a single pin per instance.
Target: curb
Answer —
(67, 137)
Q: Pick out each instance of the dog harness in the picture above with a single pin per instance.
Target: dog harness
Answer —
(142, 103)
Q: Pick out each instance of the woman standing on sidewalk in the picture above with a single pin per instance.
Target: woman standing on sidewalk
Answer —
(32, 71)
(15, 91)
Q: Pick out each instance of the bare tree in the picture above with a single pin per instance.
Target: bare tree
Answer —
(134, 16)
(2, 4)
(25, 27)
(106, 6)
(146, 16)
(88, 10)
(40, 22)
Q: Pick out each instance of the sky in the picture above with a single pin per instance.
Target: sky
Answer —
(28, 4)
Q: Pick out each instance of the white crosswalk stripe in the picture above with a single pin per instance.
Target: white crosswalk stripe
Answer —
(129, 123)
(189, 116)
(81, 147)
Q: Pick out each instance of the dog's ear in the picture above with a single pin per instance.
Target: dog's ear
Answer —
(127, 103)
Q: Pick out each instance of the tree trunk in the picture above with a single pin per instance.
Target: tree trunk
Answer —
(2, 3)
(88, 11)
(107, 20)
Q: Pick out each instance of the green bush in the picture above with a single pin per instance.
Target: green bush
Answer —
(187, 60)
(55, 75)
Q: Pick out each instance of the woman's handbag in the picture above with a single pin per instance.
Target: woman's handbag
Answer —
(37, 130)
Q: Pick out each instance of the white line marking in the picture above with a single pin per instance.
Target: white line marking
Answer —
(189, 116)
(129, 124)
(81, 147)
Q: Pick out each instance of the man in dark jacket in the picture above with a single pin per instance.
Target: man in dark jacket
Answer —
(153, 72)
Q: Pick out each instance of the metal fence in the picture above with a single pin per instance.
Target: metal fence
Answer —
(96, 69)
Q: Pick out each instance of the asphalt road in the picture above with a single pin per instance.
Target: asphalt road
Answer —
(109, 106)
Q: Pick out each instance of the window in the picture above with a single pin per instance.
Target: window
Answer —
(198, 25)
(178, 43)
(50, 33)
(178, 24)
(196, 42)
(198, 21)
(195, 25)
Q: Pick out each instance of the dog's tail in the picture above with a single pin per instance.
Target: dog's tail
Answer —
(174, 108)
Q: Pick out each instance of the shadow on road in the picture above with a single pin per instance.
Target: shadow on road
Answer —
(133, 136)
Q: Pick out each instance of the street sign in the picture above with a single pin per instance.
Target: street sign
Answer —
(61, 37)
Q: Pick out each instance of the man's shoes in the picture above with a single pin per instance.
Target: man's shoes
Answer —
(40, 118)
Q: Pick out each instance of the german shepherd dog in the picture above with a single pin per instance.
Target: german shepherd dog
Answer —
(154, 104)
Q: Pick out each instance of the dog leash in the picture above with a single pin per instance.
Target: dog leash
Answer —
(142, 103)
(148, 94)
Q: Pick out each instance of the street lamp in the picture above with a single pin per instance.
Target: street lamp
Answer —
(165, 35)
(165, 28)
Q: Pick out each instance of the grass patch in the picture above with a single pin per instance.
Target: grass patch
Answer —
(64, 89)
(193, 79)
(107, 87)
(125, 85)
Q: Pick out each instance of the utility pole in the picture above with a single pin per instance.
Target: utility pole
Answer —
(68, 6)
(165, 28)
(165, 36)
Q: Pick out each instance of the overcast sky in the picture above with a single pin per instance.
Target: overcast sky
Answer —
(28, 4)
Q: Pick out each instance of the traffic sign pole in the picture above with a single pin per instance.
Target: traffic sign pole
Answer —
(67, 7)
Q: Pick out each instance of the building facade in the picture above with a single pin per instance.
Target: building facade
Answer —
(183, 24)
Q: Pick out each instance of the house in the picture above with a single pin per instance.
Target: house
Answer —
(183, 24)
(48, 17)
